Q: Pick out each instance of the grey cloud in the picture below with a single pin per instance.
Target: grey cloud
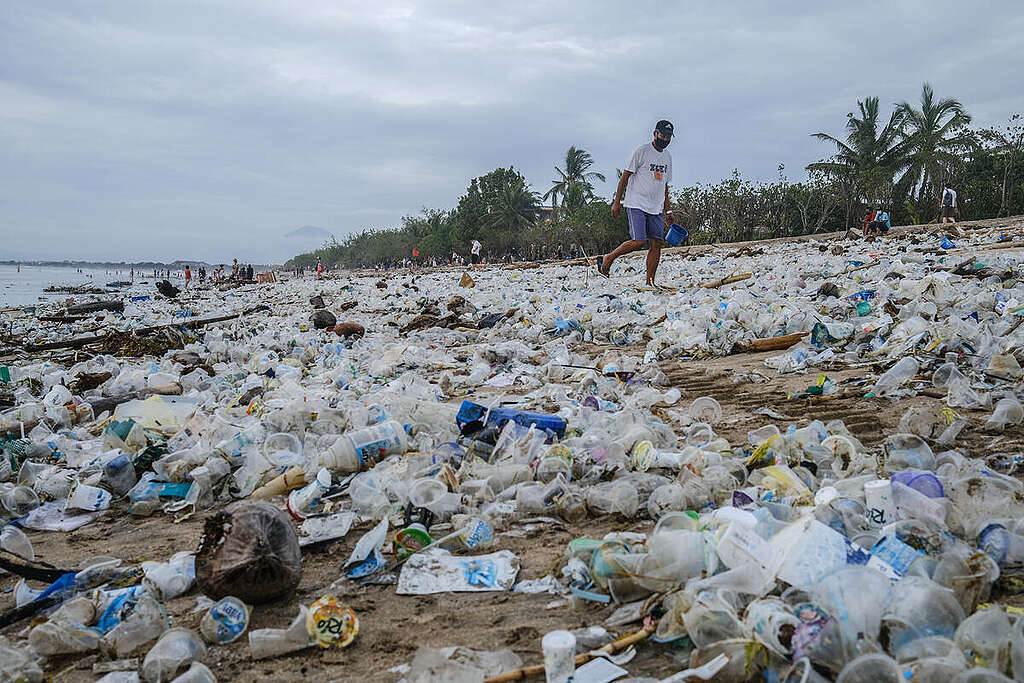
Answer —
(156, 130)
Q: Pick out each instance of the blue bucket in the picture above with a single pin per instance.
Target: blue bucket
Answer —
(676, 235)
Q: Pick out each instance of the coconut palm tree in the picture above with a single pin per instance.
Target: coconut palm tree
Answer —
(574, 184)
(511, 205)
(868, 159)
(936, 135)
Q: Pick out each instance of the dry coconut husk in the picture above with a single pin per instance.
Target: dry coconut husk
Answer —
(248, 550)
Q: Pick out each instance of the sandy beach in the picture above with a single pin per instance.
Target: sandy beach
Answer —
(419, 341)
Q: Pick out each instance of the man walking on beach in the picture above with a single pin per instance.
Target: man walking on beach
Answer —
(474, 253)
(643, 190)
(949, 205)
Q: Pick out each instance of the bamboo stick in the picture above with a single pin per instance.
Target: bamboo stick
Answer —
(610, 648)
(727, 280)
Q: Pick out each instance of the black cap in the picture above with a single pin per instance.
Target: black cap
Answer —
(664, 127)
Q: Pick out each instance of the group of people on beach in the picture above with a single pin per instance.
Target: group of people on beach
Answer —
(876, 221)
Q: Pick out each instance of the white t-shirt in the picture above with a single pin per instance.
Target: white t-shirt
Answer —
(952, 194)
(476, 247)
(651, 170)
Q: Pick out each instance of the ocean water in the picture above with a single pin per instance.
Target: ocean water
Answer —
(25, 287)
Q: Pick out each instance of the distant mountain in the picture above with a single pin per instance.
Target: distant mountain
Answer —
(310, 232)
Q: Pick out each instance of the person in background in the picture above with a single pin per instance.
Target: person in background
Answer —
(643, 191)
(880, 224)
(950, 209)
(474, 252)
(188, 276)
(865, 224)
(319, 269)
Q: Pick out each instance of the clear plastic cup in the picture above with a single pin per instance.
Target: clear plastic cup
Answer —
(706, 409)
(20, 501)
(283, 450)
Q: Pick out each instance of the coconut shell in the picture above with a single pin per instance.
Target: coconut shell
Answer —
(349, 329)
(248, 550)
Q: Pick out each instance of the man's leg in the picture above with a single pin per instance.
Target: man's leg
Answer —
(637, 241)
(627, 247)
(653, 258)
(655, 232)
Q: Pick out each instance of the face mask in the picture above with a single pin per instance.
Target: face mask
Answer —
(660, 144)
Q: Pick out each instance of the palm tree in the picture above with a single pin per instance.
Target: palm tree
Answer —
(936, 133)
(574, 184)
(868, 159)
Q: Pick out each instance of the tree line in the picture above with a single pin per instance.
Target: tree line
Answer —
(900, 162)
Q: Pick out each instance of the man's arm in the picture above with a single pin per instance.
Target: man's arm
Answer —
(669, 218)
(617, 202)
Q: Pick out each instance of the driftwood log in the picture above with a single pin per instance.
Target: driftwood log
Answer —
(79, 342)
(93, 307)
(768, 343)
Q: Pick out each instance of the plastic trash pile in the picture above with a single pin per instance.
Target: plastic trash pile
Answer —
(441, 417)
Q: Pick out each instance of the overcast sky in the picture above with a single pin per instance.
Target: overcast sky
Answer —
(209, 129)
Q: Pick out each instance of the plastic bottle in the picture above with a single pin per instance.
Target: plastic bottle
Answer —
(363, 448)
(176, 648)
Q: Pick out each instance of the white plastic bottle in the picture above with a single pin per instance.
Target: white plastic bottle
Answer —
(363, 448)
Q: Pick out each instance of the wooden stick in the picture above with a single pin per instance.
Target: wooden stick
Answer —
(610, 648)
(727, 280)
(769, 343)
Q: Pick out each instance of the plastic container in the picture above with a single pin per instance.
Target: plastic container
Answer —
(308, 500)
(559, 656)
(474, 412)
(676, 235)
(225, 622)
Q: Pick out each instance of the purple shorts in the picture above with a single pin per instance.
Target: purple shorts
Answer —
(645, 226)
